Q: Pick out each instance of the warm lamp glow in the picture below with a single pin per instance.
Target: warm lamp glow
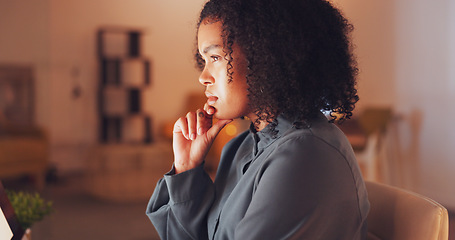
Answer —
(231, 130)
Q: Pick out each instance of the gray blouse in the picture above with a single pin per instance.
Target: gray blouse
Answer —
(302, 182)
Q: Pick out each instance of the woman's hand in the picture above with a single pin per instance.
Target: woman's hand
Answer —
(192, 137)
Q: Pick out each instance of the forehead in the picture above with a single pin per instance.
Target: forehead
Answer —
(209, 33)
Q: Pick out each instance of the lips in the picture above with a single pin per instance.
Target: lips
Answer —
(210, 98)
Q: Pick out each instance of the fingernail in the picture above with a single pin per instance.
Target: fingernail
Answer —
(193, 136)
(199, 131)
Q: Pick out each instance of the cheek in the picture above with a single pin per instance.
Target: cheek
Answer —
(239, 96)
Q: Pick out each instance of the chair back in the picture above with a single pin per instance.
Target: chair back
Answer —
(375, 119)
(397, 214)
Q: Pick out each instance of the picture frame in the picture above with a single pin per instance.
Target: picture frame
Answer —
(16, 95)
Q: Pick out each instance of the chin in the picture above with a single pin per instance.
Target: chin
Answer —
(230, 114)
(221, 116)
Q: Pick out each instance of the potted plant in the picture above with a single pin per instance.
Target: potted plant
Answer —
(29, 208)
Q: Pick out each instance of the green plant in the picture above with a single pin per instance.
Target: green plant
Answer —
(29, 208)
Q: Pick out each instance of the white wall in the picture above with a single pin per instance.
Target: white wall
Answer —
(24, 40)
(169, 28)
(406, 52)
(59, 39)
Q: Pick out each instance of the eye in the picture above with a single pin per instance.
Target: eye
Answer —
(214, 58)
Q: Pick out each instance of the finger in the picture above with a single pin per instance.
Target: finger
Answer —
(192, 125)
(209, 109)
(216, 128)
(204, 121)
(181, 126)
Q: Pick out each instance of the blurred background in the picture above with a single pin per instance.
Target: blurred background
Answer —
(89, 91)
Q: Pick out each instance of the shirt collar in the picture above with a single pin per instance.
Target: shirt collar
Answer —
(268, 135)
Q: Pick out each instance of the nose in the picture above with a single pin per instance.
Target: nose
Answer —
(206, 78)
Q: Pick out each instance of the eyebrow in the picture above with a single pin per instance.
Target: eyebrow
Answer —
(211, 47)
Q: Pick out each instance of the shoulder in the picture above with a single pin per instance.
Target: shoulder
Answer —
(318, 136)
(320, 162)
(318, 153)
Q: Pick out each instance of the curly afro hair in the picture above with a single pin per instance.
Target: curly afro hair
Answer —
(298, 54)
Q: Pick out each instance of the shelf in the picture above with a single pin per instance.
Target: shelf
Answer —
(125, 72)
(124, 77)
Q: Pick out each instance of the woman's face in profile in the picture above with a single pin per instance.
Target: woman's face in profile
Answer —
(229, 98)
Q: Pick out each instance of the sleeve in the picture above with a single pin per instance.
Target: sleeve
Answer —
(179, 205)
(304, 190)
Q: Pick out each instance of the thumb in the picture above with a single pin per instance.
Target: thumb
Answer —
(216, 128)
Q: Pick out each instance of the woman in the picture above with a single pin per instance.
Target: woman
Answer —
(293, 175)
